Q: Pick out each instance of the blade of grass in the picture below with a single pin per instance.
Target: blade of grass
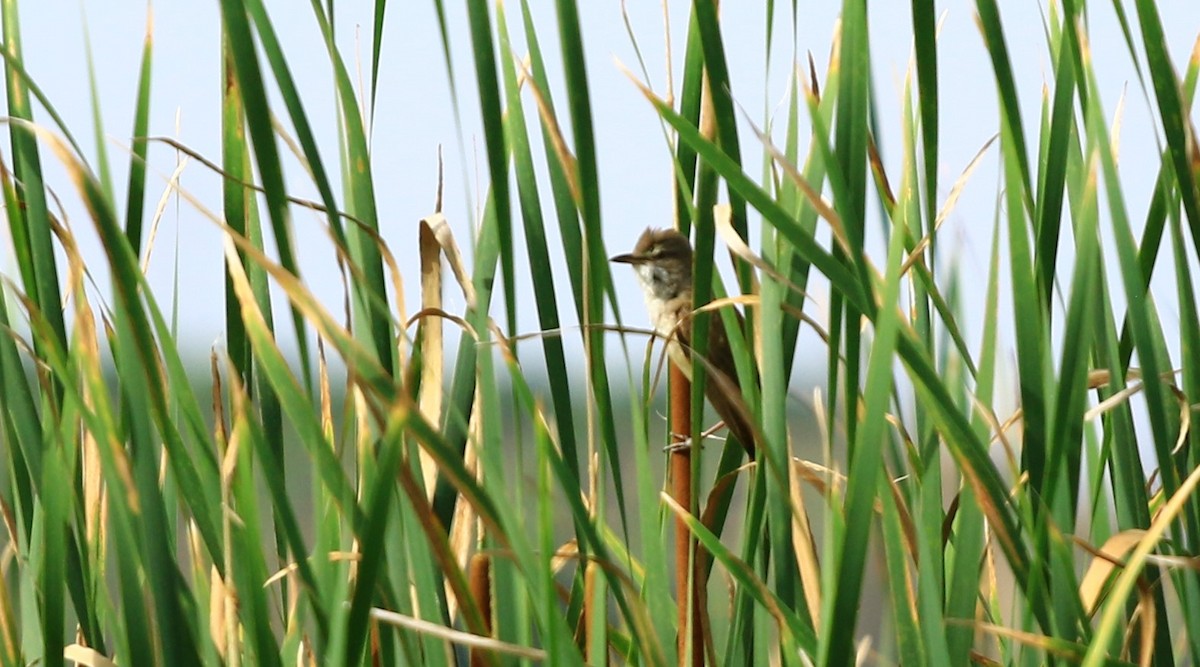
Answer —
(542, 277)
(865, 464)
(136, 192)
(1171, 112)
(246, 67)
(30, 227)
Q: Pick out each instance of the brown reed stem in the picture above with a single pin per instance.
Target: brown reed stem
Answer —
(688, 578)
(479, 576)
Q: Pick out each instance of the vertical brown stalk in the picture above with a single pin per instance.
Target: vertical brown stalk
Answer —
(590, 572)
(479, 577)
(687, 579)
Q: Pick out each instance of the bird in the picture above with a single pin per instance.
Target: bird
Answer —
(662, 259)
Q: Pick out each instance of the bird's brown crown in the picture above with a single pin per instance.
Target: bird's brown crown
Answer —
(655, 244)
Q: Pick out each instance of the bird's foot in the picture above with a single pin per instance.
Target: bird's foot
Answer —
(681, 444)
(712, 431)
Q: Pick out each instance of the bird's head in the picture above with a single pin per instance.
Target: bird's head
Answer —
(663, 261)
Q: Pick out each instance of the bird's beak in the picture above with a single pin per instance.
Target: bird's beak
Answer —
(628, 258)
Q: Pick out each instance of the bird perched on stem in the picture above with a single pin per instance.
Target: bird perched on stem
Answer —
(662, 259)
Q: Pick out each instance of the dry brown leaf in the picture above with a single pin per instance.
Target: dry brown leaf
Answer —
(82, 655)
(1105, 560)
(947, 206)
(455, 636)
(805, 546)
(1041, 642)
(432, 346)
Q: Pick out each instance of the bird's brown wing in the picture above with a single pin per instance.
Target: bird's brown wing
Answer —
(722, 387)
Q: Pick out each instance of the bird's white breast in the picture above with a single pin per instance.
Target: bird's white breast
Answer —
(664, 315)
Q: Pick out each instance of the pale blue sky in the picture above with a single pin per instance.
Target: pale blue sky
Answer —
(414, 116)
